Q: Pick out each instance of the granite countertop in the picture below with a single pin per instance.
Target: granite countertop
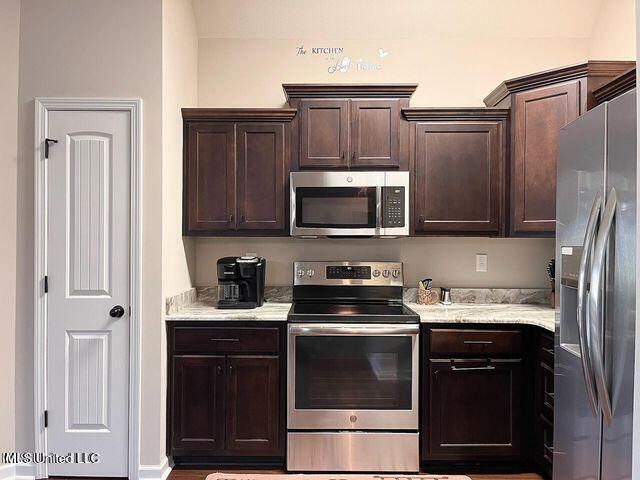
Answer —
(496, 313)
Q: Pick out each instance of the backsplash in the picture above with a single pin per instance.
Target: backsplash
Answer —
(283, 294)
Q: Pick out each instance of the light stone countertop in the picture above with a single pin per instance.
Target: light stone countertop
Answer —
(491, 313)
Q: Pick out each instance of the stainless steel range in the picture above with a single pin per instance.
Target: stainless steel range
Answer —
(352, 370)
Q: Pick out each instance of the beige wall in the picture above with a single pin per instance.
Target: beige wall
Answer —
(179, 89)
(93, 48)
(613, 36)
(9, 37)
(449, 261)
(450, 71)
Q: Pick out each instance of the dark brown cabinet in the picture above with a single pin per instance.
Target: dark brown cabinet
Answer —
(539, 114)
(197, 398)
(541, 104)
(473, 405)
(226, 393)
(349, 126)
(262, 176)
(236, 165)
(253, 405)
(375, 133)
(543, 407)
(458, 158)
(324, 133)
(210, 177)
(473, 395)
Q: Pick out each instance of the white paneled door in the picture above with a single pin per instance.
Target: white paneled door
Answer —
(88, 290)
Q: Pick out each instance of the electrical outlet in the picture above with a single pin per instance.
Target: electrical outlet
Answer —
(481, 262)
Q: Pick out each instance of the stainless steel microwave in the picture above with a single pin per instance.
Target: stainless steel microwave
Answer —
(349, 204)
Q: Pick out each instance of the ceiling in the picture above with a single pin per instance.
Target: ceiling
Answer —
(366, 19)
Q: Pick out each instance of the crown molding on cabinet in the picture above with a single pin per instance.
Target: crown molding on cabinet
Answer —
(592, 68)
(455, 114)
(349, 90)
(619, 85)
(239, 114)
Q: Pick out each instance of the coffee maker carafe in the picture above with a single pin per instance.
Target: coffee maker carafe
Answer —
(241, 281)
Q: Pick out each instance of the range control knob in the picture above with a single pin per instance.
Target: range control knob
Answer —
(300, 273)
(376, 273)
(311, 272)
(395, 273)
(385, 273)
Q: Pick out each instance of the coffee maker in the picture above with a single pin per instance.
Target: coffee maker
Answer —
(241, 281)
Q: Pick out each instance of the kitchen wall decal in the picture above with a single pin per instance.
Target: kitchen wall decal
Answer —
(341, 63)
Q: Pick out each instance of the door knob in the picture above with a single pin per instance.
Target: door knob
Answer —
(117, 311)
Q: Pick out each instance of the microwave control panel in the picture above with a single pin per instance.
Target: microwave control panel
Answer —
(393, 207)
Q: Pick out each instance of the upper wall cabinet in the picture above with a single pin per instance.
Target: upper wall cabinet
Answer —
(458, 157)
(346, 126)
(541, 104)
(619, 85)
(236, 165)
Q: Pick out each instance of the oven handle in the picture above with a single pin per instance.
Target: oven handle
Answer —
(352, 330)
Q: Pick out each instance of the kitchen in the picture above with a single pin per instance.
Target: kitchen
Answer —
(358, 253)
(357, 374)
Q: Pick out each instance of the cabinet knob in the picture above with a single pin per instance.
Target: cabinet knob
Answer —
(353, 156)
(242, 219)
(421, 219)
(219, 369)
(231, 217)
(231, 368)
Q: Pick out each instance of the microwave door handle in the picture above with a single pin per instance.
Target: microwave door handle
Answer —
(596, 312)
(587, 246)
(378, 210)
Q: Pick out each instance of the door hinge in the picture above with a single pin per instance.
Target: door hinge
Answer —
(46, 418)
(46, 284)
(48, 141)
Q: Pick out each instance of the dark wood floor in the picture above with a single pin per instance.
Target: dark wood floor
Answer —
(201, 474)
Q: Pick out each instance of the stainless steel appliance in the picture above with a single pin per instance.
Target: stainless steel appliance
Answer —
(595, 316)
(363, 204)
(241, 281)
(352, 370)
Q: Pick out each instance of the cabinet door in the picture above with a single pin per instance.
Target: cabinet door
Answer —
(324, 133)
(253, 406)
(209, 178)
(458, 177)
(197, 405)
(538, 116)
(375, 133)
(473, 410)
(261, 168)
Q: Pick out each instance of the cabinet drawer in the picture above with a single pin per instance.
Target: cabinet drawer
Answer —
(222, 340)
(546, 351)
(475, 342)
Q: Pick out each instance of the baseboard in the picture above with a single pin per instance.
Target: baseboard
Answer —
(155, 472)
(17, 471)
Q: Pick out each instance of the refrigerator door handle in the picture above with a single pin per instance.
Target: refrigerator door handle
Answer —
(596, 314)
(583, 340)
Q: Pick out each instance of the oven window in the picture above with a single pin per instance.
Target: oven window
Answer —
(349, 372)
(338, 207)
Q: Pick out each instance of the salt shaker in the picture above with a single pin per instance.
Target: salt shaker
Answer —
(446, 296)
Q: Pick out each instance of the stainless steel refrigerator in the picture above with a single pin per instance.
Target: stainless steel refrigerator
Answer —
(595, 316)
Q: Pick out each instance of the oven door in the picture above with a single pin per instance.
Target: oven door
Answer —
(353, 377)
(336, 203)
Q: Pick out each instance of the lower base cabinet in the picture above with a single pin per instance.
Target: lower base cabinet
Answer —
(474, 409)
(543, 408)
(487, 398)
(226, 394)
